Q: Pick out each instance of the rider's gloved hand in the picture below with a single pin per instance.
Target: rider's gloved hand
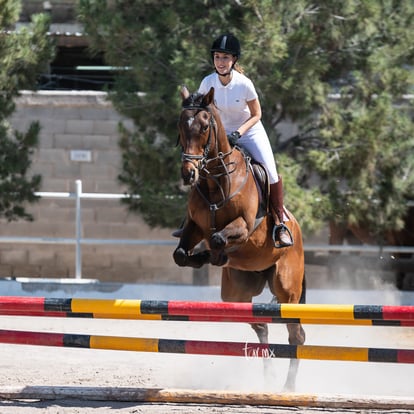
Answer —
(233, 137)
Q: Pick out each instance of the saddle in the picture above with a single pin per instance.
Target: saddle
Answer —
(261, 178)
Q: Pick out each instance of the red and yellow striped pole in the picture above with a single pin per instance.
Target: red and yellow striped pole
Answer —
(209, 311)
(241, 349)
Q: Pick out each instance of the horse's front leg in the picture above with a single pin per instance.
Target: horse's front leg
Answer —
(235, 233)
(191, 236)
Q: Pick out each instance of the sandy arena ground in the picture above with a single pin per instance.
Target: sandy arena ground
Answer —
(23, 365)
(31, 365)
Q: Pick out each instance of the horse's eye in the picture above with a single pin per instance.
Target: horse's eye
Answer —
(205, 128)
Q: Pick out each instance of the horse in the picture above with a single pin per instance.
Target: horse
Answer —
(222, 215)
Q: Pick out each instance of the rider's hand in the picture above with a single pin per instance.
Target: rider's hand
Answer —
(233, 137)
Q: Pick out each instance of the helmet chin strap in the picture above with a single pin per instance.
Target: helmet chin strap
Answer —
(226, 74)
(223, 74)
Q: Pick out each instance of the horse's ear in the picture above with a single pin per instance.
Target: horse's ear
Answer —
(208, 97)
(184, 92)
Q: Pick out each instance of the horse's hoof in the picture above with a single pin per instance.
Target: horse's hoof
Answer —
(201, 258)
(224, 260)
(219, 259)
(217, 241)
(289, 387)
(180, 257)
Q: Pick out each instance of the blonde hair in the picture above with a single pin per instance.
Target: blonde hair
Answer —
(238, 68)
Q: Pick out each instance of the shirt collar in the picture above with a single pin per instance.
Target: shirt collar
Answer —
(229, 85)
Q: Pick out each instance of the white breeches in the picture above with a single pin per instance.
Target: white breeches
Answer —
(260, 149)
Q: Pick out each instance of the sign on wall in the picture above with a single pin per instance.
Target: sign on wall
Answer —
(81, 155)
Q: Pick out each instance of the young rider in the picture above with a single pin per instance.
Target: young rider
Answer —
(240, 111)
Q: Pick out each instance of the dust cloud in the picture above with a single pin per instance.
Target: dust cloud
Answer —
(346, 286)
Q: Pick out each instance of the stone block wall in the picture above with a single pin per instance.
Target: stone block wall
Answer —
(86, 122)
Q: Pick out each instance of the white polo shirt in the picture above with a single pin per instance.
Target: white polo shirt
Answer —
(231, 100)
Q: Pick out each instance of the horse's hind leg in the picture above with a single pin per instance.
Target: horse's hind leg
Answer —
(296, 337)
(286, 293)
(242, 286)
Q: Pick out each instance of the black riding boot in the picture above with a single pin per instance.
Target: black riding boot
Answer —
(281, 234)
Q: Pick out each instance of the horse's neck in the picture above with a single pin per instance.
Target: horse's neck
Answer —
(222, 176)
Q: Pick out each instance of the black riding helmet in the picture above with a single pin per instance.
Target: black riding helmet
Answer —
(226, 43)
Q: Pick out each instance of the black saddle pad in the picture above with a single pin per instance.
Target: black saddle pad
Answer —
(262, 182)
(263, 187)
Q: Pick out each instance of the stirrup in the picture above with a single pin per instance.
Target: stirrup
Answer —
(277, 229)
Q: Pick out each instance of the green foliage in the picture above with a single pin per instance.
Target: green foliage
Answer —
(147, 169)
(15, 187)
(365, 161)
(309, 206)
(365, 139)
(351, 161)
(10, 10)
(23, 55)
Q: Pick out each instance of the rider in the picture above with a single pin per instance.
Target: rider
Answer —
(240, 111)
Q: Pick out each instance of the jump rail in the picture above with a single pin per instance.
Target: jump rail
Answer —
(197, 318)
(206, 311)
(240, 349)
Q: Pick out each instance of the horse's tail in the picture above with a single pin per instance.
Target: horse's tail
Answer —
(303, 295)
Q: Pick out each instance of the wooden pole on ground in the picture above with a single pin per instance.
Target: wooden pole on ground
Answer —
(156, 395)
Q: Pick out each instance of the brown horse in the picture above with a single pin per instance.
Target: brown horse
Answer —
(222, 212)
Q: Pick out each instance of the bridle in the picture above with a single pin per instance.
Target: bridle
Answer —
(220, 169)
(212, 126)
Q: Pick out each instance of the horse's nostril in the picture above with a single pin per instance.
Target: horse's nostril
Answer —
(188, 176)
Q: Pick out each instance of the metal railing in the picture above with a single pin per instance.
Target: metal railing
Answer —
(78, 240)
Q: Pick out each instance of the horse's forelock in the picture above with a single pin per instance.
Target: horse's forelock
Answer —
(195, 100)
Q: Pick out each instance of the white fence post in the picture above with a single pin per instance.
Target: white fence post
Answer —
(78, 270)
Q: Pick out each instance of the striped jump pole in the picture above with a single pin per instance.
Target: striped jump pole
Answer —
(207, 309)
(196, 318)
(240, 349)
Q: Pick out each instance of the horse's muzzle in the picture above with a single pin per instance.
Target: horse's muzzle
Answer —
(189, 175)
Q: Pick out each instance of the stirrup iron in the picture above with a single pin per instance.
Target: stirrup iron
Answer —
(277, 228)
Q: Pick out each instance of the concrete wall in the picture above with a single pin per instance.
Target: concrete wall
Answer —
(82, 121)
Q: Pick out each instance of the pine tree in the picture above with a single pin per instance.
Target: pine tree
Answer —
(362, 142)
(23, 55)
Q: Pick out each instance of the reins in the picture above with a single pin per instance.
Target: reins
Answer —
(213, 207)
(224, 169)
